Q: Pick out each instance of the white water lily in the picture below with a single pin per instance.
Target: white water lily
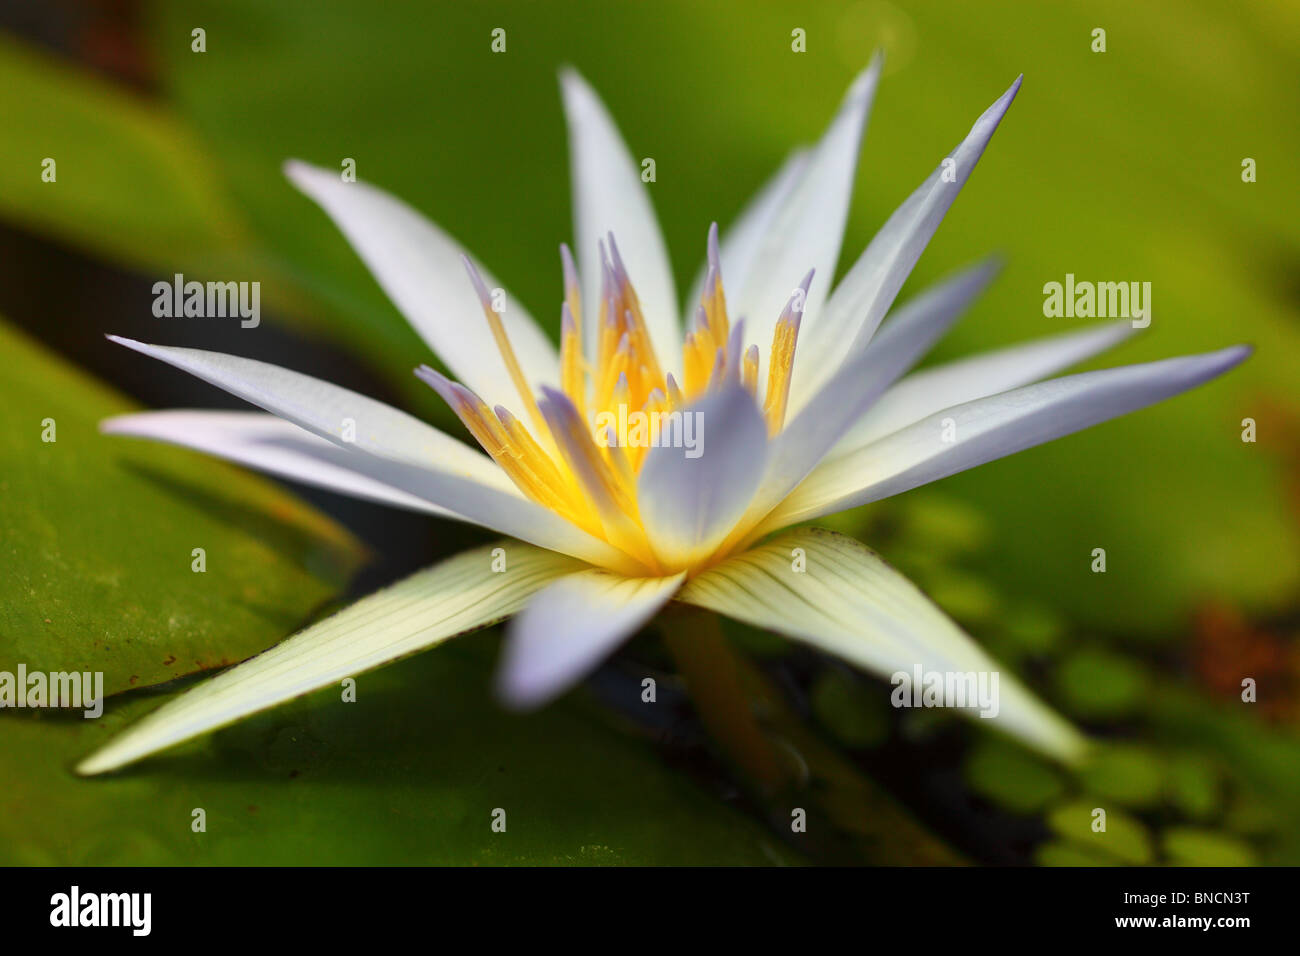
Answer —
(805, 407)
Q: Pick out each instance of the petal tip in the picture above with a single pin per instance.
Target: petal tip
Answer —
(1004, 101)
(515, 692)
(520, 685)
(133, 344)
(568, 73)
(554, 395)
(301, 173)
(862, 89)
(94, 765)
(576, 91)
(1234, 355)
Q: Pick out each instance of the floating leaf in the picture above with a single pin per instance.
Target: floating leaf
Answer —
(130, 180)
(1098, 683)
(100, 539)
(1012, 777)
(1032, 628)
(1127, 774)
(1192, 785)
(1188, 846)
(1124, 838)
(409, 773)
(1251, 816)
(1060, 853)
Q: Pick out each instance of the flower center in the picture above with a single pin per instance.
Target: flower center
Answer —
(579, 465)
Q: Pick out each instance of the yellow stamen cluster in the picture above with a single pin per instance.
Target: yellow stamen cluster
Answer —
(576, 465)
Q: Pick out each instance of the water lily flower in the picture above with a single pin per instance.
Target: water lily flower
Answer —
(800, 393)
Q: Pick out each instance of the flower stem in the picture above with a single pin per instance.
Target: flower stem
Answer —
(785, 763)
(713, 678)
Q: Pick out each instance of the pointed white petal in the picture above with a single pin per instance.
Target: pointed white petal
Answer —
(912, 330)
(408, 454)
(458, 595)
(846, 395)
(739, 246)
(609, 196)
(925, 318)
(807, 229)
(269, 444)
(850, 603)
(328, 410)
(688, 504)
(991, 428)
(420, 268)
(567, 629)
(863, 297)
(954, 383)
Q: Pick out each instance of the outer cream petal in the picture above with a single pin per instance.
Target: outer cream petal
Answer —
(850, 603)
(272, 445)
(406, 453)
(458, 595)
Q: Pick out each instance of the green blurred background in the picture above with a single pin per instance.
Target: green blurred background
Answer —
(1122, 165)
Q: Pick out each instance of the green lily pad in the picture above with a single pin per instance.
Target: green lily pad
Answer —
(1130, 775)
(1251, 816)
(1189, 846)
(413, 772)
(128, 179)
(1012, 777)
(1032, 629)
(1095, 683)
(1192, 786)
(1060, 853)
(1125, 838)
(1264, 755)
(98, 537)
